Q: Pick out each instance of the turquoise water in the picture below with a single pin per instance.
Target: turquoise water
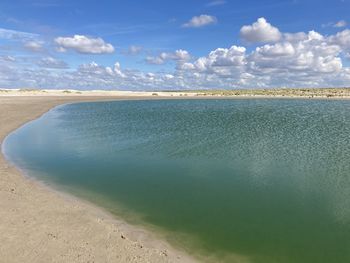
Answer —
(252, 180)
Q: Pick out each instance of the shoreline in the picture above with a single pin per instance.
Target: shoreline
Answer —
(37, 221)
(282, 93)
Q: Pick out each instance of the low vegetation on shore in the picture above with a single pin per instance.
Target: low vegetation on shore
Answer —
(297, 92)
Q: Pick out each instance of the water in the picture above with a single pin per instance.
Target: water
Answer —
(245, 180)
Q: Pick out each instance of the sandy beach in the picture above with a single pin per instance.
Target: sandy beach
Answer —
(40, 225)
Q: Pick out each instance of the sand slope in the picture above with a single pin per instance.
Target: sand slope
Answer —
(39, 225)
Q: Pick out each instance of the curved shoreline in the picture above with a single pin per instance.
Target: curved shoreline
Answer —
(40, 224)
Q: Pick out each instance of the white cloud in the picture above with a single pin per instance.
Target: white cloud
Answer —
(341, 23)
(169, 76)
(34, 45)
(221, 61)
(187, 66)
(200, 21)
(118, 71)
(295, 37)
(97, 71)
(179, 55)
(279, 49)
(342, 39)
(298, 60)
(312, 55)
(301, 59)
(83, 44)
(260, 31)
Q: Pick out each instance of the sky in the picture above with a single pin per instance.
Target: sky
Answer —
(174, 45)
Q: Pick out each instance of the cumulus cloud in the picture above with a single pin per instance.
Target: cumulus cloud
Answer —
(179, 55)
(222, 61)
(115, 71)
(260, 31)
(294, 59)
(93, 69)
(310, 56)
(297, 60)
(83, 44)
(342, 39)
(88, 76)
(200, 21)
(276, 50)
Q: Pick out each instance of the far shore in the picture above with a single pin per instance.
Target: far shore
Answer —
(306, 93)
(38, 224)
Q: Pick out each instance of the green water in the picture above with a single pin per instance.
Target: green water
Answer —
(258, 180)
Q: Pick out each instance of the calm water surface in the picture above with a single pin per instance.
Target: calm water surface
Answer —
(247, 180)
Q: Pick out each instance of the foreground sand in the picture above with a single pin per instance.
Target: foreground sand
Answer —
(39, 225)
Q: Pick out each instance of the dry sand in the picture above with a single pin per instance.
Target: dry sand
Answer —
(304, 93)
(41, 225)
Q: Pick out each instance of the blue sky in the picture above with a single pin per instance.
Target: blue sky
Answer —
(174, 44)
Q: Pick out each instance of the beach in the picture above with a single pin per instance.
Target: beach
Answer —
(38, 224)
(290, 93)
